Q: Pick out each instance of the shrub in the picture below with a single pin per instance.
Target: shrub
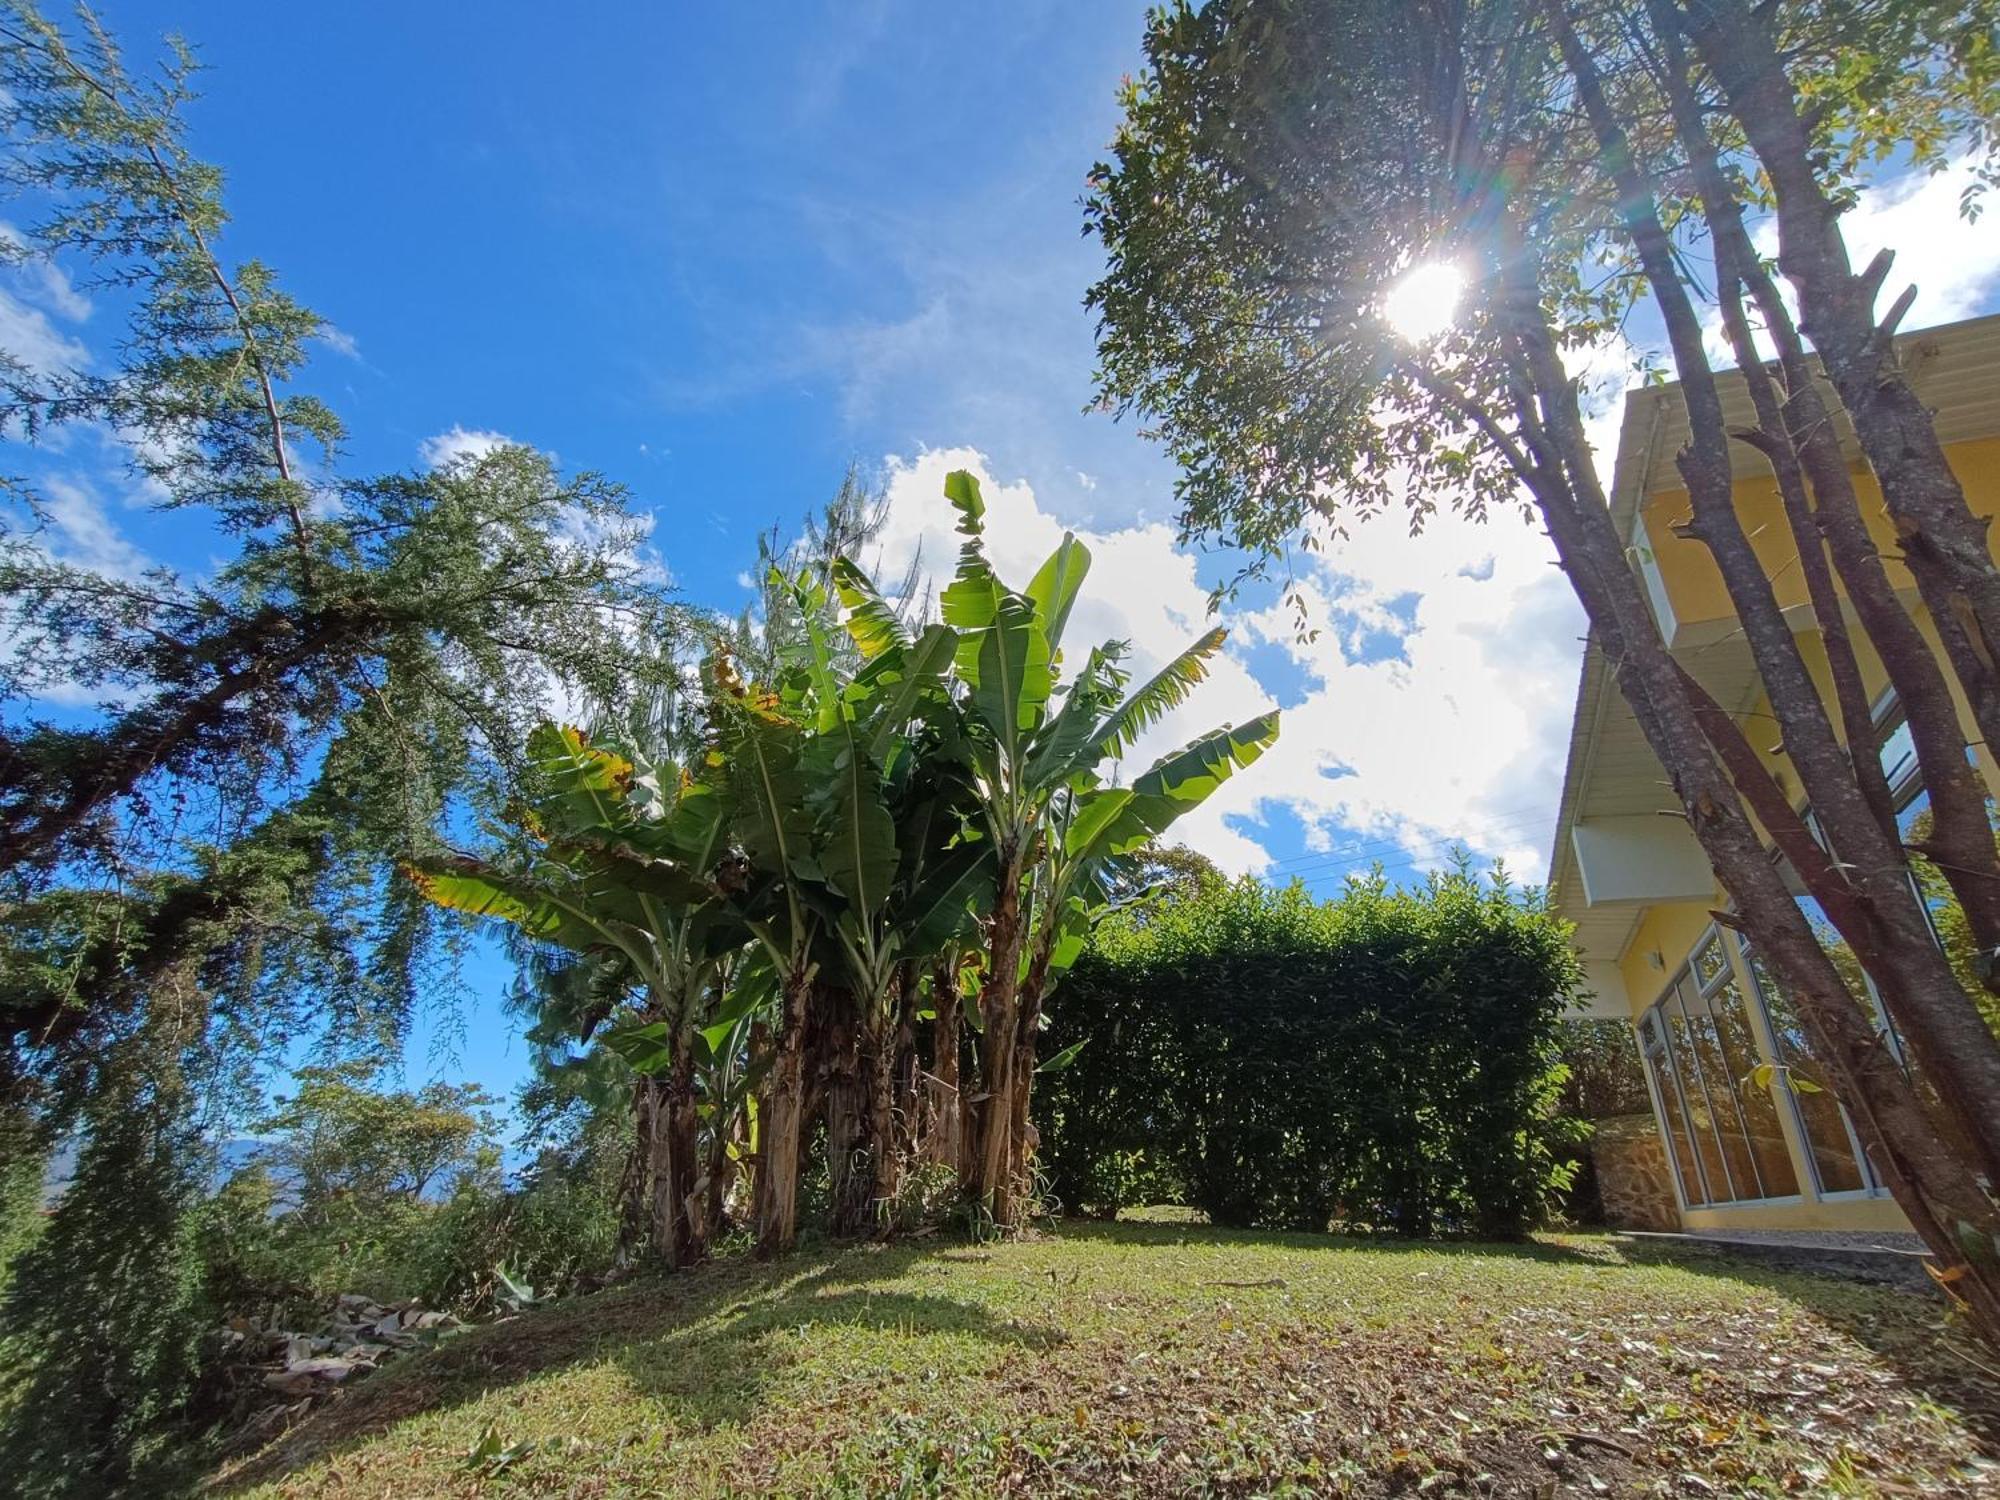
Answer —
(1389, 1059)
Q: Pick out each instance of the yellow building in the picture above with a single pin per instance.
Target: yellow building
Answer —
(1635, 883)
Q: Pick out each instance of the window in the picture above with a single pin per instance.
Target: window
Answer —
(1673, 1113)
(1698, 1040)
(1838, 1163)
(1722, 1126)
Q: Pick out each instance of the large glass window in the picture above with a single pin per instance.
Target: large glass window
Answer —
(1838, 1163)
(1673, 1114)
(1722, 1125)
(1913, 823)
(1698, 1040)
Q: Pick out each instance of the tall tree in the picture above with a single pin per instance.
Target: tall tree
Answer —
(1284, 162)
(207, 776)
(358, 670)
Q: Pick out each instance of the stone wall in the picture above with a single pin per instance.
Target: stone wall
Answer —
(1633, 1177)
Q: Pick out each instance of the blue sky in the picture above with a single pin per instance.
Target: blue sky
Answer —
(710, 251)
(718, 252)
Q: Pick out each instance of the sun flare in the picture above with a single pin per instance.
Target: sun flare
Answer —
(1422, 305)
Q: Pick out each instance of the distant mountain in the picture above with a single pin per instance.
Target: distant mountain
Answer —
(230, 1158)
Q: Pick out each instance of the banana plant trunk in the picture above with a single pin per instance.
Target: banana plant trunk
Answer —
(718, 1176)
(1027, 1033)
(887, 1050)
(907, 1099)
(947, 1139)
(670, 1138)
(993, 1184)
(880, 1154)
(780, 1121)
(850, 1146)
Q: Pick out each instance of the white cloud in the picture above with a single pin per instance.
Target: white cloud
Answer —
(1461, 735)
(27, 334)
(340, 341)
(1455, 737)
(83, 533)
(1604, 372)
(40, 293)
(1949, 258)
(460, 442)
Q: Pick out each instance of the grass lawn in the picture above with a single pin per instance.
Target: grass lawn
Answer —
(1171, 1358)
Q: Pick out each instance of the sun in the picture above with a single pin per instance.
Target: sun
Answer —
(1423, 303)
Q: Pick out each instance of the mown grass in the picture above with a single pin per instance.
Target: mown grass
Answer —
(1171, 1358)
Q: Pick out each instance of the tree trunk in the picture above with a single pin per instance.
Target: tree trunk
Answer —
(633, 1197)
(887, 1044)
(909, 1100)
(947, 1141)
(1962, 843)
(781, 1118)
(1884, 923)
(849, 1063)
(1944, 543)
(1027, 1040)
(993, 1181)
(717, 1177)
(1934, 1185)
(671, 1122)
(762, 1047)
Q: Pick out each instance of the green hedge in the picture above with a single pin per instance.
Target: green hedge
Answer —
(1386, 1060)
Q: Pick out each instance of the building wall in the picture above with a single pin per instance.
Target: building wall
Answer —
(1666, 936)
(1693, 585)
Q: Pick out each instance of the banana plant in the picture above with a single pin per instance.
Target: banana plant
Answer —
(842, 817)
(728, 1068)
(618, 859)
(942, 875)
(1035, 754)
(761, 746)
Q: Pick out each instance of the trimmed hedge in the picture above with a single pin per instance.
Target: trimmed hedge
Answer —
(1386, 1060)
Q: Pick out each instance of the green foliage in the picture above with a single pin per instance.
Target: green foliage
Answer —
(1388, 1059)
(23, 1164)
(1605, 1077)
(101, 1335)
(1271, 177)
(1949, 920)
(1281, 163)
(351, 677)
(397, 1194)
(336, 1141)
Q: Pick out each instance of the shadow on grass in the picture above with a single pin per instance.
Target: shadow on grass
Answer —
(691, 1338)
(699, 1340)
